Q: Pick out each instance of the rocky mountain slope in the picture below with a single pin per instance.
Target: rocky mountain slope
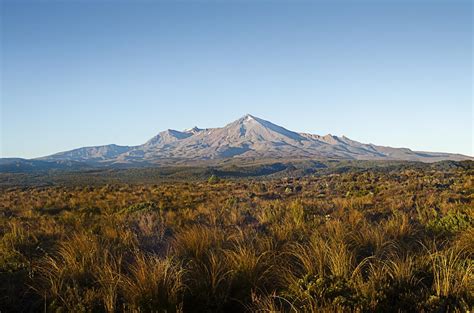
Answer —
(247, 137)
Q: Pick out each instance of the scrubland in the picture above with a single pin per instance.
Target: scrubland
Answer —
(371, 241)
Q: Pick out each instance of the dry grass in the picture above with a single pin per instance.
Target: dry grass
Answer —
(154, 284)
(399, 241)
(453, 278)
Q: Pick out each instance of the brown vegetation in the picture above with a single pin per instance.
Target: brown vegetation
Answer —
(400, 241)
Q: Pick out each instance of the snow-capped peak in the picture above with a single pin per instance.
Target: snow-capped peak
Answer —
(193, 130)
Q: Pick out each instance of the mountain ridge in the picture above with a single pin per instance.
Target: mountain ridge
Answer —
(246, 137)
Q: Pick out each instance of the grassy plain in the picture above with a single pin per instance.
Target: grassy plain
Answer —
(391, 239)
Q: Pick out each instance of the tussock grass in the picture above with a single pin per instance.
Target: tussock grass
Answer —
(453, 279)
(153, 284)
(394, 241)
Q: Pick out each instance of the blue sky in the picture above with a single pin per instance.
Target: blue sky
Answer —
(83, 73)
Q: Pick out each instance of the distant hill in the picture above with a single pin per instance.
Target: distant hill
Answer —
(249, 137)
(14, 165)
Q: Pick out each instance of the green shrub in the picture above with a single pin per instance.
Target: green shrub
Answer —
(213, 179)
(143, 206)
(451, 223)
(325, 291)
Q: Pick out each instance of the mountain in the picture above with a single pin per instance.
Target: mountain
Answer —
(18, 165)
(248, 137)
(90, 154)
